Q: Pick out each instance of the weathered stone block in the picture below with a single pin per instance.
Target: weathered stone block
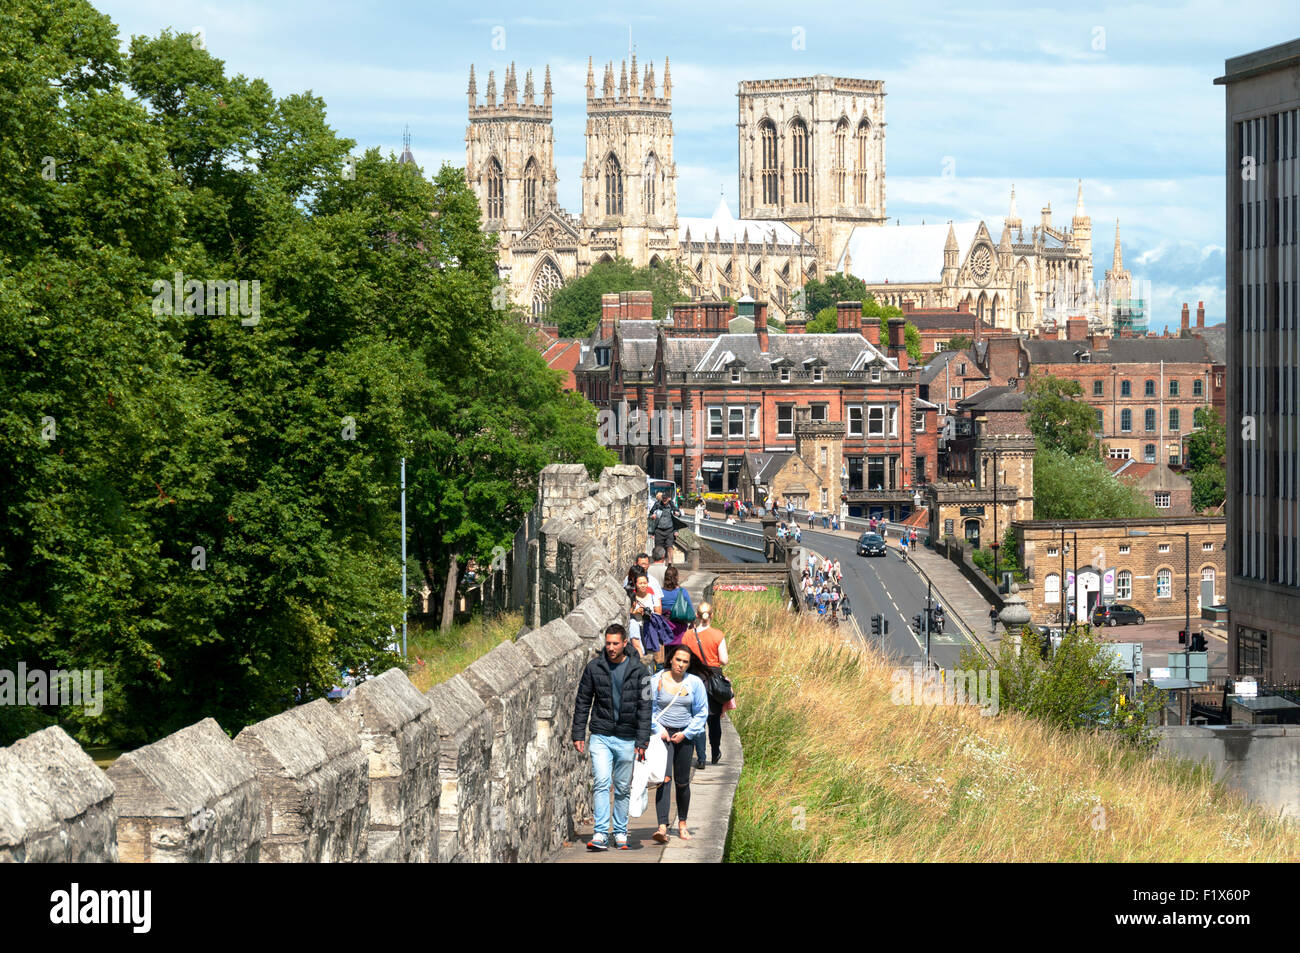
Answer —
(464, 766)
(190, 797)
(55, 804)
(315, 785)
(399, 737)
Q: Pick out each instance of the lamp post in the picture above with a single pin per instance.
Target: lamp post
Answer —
(1075, 620)
(997, 540)
(404, 600)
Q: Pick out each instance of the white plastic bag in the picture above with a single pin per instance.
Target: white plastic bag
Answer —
(656, 759)
(640, 798)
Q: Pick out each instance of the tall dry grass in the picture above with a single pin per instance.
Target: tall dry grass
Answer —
(433, 656)
(834, 771)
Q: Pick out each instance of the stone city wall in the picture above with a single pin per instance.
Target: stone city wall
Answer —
(479, 768)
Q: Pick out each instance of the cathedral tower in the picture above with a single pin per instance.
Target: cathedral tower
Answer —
(629, 181)
(510, 152)
(812, 154)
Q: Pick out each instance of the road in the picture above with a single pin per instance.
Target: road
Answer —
(887, 585)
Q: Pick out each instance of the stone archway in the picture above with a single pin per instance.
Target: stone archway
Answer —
(547, 279)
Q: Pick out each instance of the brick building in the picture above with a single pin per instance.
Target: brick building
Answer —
(689, 398)
(1144, 391)
(1162, 487)
(1143, 563)
(938, 326)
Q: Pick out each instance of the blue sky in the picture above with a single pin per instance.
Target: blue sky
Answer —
(1119, 96)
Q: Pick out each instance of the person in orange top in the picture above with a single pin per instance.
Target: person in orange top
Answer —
(709, 646)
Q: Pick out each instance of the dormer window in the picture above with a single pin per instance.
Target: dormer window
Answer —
(875, 373)
(785, 375)
(817, 375)
(735, 375)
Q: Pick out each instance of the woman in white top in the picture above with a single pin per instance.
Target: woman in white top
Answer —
(644, 600)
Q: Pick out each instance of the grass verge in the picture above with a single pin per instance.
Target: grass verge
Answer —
(834, 771)
(437, 656)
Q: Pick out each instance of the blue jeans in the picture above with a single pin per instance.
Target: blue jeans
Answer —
(611, 759)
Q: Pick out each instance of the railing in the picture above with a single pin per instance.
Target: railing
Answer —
(717, 531)
(794, 377)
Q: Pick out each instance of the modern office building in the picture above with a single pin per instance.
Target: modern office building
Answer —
(1263, 181)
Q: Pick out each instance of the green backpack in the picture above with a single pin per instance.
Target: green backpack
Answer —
(682, 610)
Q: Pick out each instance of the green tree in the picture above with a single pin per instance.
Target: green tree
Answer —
(1056, 419)
(1207, 446)
(959, 343)
(826, 322)
(575, 307)
(1068, 487)
(1076, 687)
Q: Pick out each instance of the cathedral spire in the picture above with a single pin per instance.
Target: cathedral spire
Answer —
(650, 81)
(528, 88)
(511, 89)
(591, 80)
(546, 87)
(609, 80)
(1013, 215)
(951, 243)
(622, 82)
(473, 88)
(492, 88)
(1117, 264)
(634, 86)
(1078, 204)
(668, 81)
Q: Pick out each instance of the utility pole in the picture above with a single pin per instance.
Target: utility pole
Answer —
(1187, 588)
(1076, 579)
(928, 587)
(997, 540)
(1060, 589)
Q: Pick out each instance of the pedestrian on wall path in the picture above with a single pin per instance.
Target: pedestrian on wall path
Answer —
(709, 646)
(679, 715)
(614, 694)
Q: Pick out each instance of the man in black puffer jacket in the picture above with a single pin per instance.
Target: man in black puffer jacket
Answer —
(615, 692)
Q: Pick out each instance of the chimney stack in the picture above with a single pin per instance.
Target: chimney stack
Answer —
(1184, 327)
(1200, 314)
(871, 329)
(760, 324)
(637, 305)
(897, 341)
(848, 317)
(1076, 329)
(608, 315)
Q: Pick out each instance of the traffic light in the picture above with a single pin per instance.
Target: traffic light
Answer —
(886, 624)
(876, 621)
(1198, 642)
(1182, 636)
(916, 622)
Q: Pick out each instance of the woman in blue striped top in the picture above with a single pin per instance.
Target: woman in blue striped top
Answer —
(679, 713)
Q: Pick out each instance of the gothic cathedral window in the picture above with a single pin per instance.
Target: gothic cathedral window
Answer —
(799, 137)
(861, 172)
(530, 190)
(496, 193)
(768, 132)
(613, 186)
(651, 173)
(841, 141)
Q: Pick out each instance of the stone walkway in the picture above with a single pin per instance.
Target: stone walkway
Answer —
(712, 791)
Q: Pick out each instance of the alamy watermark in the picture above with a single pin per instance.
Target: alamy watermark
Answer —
(56, 687)
(191, 296)
(977, 687)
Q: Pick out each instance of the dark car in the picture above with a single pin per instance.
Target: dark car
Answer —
(871, 544)
(1117, 615)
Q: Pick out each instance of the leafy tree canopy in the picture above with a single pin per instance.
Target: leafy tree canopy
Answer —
(1074, 487)
(1056, 419)
(575, 307)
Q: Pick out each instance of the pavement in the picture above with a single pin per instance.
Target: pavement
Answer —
(712, 790)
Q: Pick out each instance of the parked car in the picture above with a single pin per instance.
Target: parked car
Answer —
(1118, 614)
(871, 544)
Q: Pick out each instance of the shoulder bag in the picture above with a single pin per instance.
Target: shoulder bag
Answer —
(716, 685)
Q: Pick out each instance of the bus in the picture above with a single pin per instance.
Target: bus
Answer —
(656, 487)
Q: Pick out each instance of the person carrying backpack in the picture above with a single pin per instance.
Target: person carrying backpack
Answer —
(665, 528)
(676, 606)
